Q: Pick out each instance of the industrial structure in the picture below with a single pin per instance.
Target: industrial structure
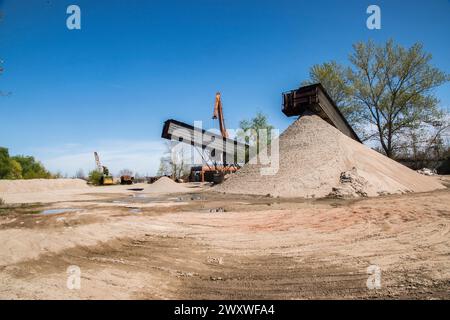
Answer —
(314, 98)
(220, 154)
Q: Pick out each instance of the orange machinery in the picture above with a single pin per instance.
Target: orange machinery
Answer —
(211, 174)
(218, 114)
(214, 173)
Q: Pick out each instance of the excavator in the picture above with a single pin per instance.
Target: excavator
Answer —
(215, 173)
(106, 178)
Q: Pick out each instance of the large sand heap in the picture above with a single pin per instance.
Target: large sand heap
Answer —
(40, 185)
(317, 160)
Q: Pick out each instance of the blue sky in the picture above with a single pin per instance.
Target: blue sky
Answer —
(109, 86)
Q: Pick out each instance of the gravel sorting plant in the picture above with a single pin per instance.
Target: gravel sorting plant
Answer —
(317, 160)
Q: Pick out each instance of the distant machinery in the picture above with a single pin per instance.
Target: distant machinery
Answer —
(126, 179)
(106, 178)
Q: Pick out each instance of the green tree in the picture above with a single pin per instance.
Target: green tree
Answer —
(5, 163)
(31, 169)
(257, 123)
(250, 131)
(21, 167)
(333, 77)
(95, 177)
(386, 87)
(16, 170)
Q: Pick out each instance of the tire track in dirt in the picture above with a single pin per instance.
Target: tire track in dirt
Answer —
(284, 250)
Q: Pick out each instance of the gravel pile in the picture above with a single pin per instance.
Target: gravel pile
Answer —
(317, 160)
(166, 185)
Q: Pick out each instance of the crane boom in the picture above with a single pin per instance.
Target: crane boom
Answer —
(218, 114)
(97, 162)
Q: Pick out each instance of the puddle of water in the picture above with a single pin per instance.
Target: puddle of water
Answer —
(140, 195)
(57, 211)
(135, 210)
(193, 197)
(213, 210)
(138, 198)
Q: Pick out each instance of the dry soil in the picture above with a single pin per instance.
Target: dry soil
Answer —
(205, 245)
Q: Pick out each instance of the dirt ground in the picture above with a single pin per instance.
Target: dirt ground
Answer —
(206, 245)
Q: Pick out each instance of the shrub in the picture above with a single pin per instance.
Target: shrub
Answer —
(15, 170)
(95, 177)
(5, 163)
(21, 167)
(31, 168)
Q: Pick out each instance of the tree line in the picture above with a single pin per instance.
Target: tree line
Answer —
(21, 167)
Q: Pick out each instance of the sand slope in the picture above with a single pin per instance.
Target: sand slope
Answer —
(317, 160)
(38, 185)
(55, 190)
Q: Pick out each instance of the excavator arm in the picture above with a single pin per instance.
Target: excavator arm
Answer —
(97, 162)
(218, 114)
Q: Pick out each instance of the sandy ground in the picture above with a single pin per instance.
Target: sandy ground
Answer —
(205, 245)
(54, 192)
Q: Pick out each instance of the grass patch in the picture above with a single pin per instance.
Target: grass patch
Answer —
(22, 208)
